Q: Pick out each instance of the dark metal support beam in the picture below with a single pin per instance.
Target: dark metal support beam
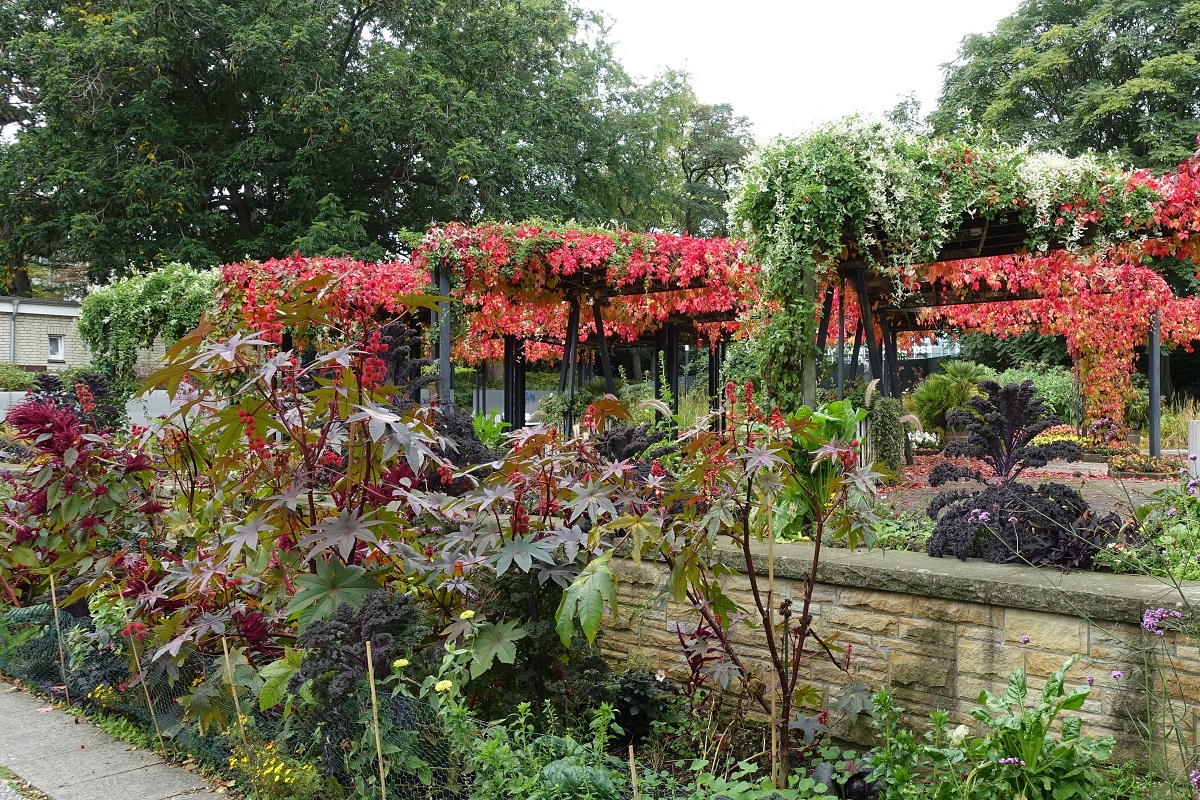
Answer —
(864, 303)
(823, 328)
(568, 360)
(567, 378)
(841, 348)
(858, 337)
(445, 344)
(672, 348)
(605, 364)
(1154, 356)
(514, 381)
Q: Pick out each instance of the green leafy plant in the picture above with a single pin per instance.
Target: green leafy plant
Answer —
(118, 320)
(946, 391)
(15, 379)
(1021, 755)
(490, 429)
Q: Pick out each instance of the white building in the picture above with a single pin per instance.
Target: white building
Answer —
(40, 334)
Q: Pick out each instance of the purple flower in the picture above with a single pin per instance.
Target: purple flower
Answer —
(1192, 457)
(1024, 640)
(1013, 520)
(1117, 675)
(1171, 512)
(1090, 680)
(1013, 760)
(985, 517)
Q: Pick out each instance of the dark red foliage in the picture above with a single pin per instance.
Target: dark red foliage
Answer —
(49, 428)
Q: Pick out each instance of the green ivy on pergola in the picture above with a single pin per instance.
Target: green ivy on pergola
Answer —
(883, 210)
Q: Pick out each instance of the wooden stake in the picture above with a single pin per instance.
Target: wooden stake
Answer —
(237, 705)
(633, 772)
(375, 716)
(62, 654)
(137, 662)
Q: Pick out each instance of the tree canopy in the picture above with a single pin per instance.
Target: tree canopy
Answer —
(1120, 77)
(209, 131)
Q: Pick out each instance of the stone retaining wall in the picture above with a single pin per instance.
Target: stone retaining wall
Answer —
(939, 631)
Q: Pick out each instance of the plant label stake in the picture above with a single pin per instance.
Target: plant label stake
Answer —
(237, 705)
(633, 772)
(62, 656)
(375, 717)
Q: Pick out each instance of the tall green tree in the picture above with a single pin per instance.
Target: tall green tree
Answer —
(1117, 76)
(206, 131)
(715, 145)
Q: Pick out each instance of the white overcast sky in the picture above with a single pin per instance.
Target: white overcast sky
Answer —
(789, 65)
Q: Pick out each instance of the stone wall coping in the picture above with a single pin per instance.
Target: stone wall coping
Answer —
(1094, 595)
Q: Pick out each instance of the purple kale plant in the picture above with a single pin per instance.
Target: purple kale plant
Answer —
(1006, 520)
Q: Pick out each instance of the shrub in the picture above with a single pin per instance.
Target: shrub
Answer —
(1143, 462)
(887, 432)
(1055, 385)
(15, 379)
(945, 391)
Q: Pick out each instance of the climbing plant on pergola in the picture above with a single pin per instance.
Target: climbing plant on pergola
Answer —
(907, 223)
(524, 289)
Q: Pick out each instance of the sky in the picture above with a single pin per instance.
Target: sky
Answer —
(790, 65)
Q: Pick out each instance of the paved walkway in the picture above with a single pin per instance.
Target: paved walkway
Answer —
(68, 758)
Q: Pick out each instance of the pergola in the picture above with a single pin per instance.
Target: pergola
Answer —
(543, 291)
(899, 312)
(663, 340)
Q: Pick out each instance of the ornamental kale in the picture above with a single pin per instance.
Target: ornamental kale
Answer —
(1008, 520)
(335, 663)
(1001, 425)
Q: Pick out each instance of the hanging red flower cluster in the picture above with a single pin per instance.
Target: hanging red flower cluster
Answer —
(516, 280)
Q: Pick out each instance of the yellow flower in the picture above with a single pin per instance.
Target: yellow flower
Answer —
(399, 664)
(468, 614)
(443, 686)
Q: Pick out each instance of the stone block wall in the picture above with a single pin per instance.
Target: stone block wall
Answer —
(937, 632)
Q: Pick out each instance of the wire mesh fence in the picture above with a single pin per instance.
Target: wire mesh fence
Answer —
(369, 745)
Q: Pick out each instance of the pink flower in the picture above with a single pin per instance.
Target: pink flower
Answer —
(1117, 674)
(1024, 640)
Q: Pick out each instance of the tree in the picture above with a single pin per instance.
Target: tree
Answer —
(1121, 77)
(715, 146)
(208, 131)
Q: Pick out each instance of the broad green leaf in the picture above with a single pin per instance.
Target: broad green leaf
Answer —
(320, 594)
(584, 600)
(275, 678)
(492, 642)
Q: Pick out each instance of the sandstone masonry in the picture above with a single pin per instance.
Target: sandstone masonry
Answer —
(939, 631)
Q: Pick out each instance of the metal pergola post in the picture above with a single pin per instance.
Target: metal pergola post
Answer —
(606, 365)
(672, 364)
(1155, 370)
(864, 303)
(841, 347)
(514, 381)
(445, 343)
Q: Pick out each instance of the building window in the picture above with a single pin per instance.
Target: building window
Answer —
(57, 347)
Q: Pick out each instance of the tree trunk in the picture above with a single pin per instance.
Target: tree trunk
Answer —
(17, 272)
